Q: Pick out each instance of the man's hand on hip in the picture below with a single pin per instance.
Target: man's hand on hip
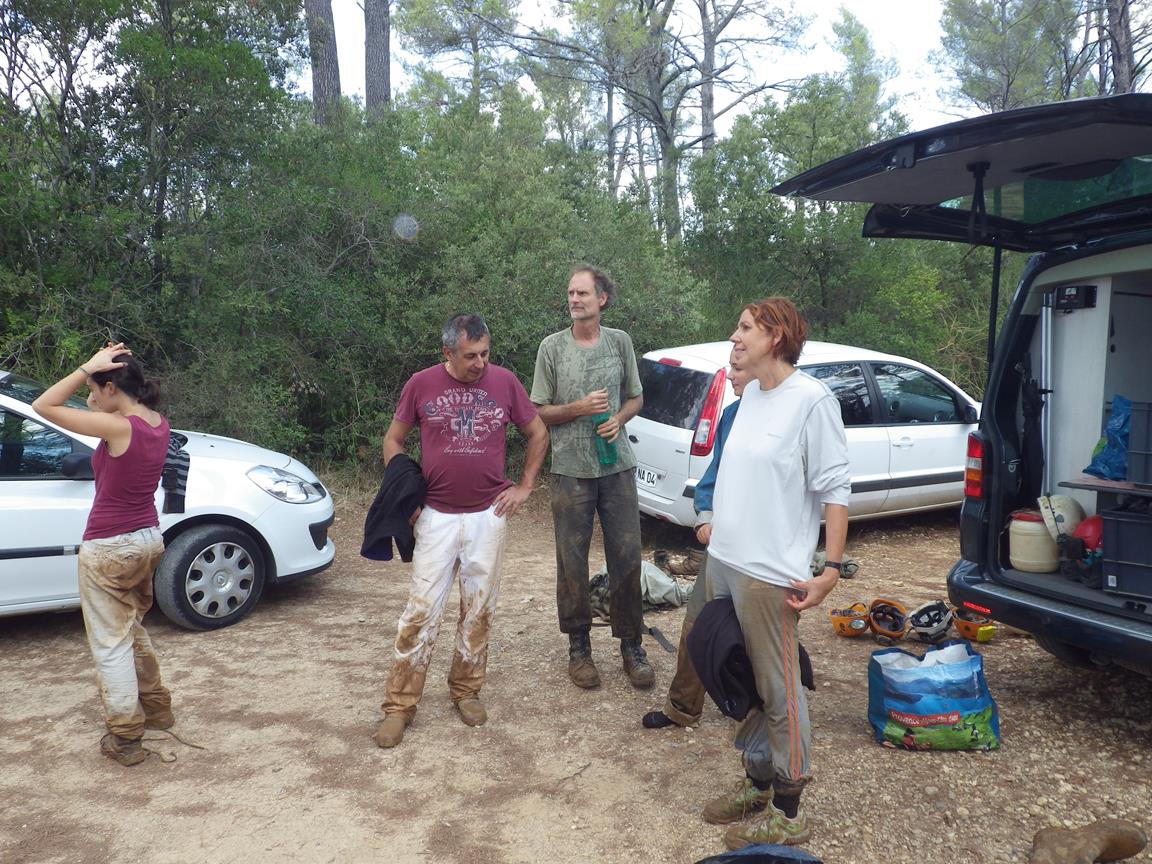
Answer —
(509, 501)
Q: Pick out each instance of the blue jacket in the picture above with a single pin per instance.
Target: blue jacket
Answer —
(702, 498)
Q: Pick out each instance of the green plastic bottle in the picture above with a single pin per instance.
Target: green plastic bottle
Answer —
(605, 450)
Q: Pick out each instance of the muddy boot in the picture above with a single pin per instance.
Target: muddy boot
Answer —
(160, 720)
(1105, 840)
(636, 664)
(390, 732)
(690, 566)
(126, 751)
(581, 669)
(472, 712)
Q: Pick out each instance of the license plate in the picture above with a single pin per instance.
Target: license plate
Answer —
(646, 476)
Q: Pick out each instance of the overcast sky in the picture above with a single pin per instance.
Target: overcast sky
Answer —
(903, 30)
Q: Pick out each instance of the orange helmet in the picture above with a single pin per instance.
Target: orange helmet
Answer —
(850, 622)
(888, 619)
(972, 625)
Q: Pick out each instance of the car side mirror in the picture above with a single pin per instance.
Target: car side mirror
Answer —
(971, 415)
(77, 466)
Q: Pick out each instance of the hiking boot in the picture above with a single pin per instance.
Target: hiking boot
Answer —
(126, 751)
(581, 669)
(1104, 840)
(689, 566)
(472, 712)
(738, 804)
(636, 664)
(160, 720)
(772, 827)
(390, 732)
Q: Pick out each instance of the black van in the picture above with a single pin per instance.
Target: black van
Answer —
(1072, 183)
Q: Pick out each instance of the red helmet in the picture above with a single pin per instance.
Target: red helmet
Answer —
(1091, 530)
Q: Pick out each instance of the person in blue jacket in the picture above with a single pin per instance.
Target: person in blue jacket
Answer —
(685, 702)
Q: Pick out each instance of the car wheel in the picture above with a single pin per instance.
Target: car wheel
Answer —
(211, 576)
(1070, 654)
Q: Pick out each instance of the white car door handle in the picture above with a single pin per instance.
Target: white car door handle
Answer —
(903, 443)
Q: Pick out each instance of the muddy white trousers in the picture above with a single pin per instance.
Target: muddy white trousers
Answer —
(467, 546)
(115, 593)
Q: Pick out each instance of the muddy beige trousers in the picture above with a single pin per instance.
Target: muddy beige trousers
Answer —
(469, 546)
(775, 741)
(685, 703)
(115, 593)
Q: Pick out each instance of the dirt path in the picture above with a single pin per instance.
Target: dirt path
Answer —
(286, 702)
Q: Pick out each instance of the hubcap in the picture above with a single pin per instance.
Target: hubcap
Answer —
(220, 580)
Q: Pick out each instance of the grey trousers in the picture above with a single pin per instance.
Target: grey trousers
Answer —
(775, 741)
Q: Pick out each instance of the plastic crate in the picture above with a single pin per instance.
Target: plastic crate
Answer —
(1140, 444)
(1127, 549)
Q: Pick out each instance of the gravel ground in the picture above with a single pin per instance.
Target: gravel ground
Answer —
(285, 703)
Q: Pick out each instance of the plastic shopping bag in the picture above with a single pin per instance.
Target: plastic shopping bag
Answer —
(1110, 458)
(938, 702)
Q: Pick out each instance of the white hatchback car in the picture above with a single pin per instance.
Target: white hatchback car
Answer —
(907, 427)
(251, 516)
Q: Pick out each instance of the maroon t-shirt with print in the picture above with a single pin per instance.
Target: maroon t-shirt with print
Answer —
(462, 433)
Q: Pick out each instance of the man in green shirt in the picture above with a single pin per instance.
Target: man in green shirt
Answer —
(587, 386)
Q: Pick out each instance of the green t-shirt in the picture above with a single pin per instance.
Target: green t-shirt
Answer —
(567, 372)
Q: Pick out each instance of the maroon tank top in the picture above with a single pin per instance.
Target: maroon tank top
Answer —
(126, 484)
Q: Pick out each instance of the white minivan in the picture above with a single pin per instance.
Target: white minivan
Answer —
(907, 427)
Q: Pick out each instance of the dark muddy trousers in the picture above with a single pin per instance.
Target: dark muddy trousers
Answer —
(685, 701)
(575, 503)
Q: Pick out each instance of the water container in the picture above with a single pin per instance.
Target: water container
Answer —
(1030, 546)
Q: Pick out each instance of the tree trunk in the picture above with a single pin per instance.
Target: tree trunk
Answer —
(1102, 53)
(1120, 46)
(325, 60)
(377, 57)
(669, 186)
(477, 60)
(706, 203)
(707, 79)
(610, 144)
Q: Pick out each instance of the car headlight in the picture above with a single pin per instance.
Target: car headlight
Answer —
(285, 485)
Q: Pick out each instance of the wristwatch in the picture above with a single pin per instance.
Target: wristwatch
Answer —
(834, 565)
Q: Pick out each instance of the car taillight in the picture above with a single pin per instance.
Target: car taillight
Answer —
(668, 361)
(974, 468)
(983, 610)
(709, 416)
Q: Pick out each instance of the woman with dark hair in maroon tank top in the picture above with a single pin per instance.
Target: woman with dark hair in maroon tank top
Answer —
(122, 541)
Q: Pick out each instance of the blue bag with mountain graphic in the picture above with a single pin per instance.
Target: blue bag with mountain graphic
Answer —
(939, 701)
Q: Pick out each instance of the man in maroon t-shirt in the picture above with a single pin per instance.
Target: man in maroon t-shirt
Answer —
(463, 407)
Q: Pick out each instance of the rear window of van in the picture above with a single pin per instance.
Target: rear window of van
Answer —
(673, 395)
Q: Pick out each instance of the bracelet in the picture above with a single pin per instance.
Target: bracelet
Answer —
(85, 371)
(834, 565)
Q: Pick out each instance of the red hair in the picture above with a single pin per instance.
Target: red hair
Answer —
(780, 315)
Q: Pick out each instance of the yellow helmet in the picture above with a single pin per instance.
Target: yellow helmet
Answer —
(850, 622)
(972, 625)
(888, 620)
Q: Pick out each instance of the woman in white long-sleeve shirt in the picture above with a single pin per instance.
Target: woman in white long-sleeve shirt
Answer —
(785, 466)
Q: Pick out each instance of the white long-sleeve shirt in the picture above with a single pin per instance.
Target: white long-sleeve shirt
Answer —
(785, 458)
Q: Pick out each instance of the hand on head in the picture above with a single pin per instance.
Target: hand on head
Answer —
(102, 360)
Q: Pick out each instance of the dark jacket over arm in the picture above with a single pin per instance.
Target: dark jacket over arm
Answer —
(401, 492)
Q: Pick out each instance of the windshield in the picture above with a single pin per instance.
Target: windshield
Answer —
(26, 390)
(1054, 192)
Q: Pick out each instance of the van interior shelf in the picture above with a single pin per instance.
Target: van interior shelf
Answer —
(1095, 484)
